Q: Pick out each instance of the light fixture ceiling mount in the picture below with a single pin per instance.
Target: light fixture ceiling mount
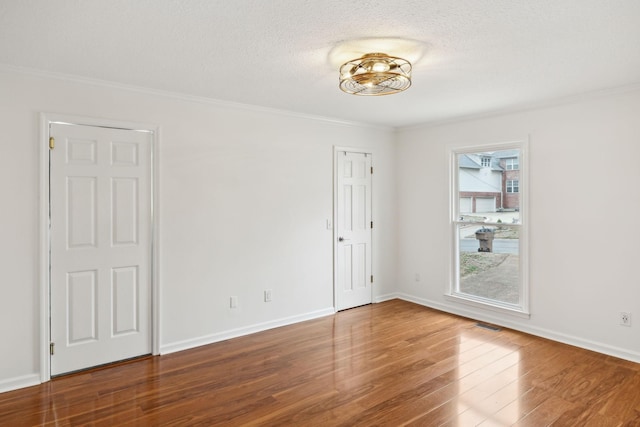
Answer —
(375, 74)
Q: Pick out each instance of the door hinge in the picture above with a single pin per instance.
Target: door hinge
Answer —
(371, 224)
(372, 278)
(52, 143)
(371, 170)
(52, 348)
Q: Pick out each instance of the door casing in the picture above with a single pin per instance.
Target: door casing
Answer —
(44, 236)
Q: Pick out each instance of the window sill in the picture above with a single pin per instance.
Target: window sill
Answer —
(489, 305)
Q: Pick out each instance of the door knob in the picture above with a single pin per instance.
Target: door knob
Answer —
(342, 239)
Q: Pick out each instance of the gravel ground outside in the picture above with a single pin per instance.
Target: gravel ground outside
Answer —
(490, 275)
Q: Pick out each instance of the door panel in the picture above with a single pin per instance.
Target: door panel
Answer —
(124, 287)
(353, 229)
(81, 301)
(124, 214)
(82, 210)
(100, 204)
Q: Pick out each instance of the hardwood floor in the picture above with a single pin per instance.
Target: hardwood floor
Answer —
(388, 364)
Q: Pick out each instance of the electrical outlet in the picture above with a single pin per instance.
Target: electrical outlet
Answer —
(267, 295)
(233, 302)
(625, 318)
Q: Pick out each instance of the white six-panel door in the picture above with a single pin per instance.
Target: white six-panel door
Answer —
(353, 229)
(100, 245)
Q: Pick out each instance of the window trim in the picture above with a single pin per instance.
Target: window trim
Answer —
(512, 162)
(521, 309)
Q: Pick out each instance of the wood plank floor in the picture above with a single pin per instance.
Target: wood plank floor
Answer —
(388, 364)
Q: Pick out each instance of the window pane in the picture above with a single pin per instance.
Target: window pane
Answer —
(489, 262)
(489, 194)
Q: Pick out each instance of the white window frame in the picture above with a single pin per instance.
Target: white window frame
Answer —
(512, 164)
(452, 293)
(485, 161)
(511, 187)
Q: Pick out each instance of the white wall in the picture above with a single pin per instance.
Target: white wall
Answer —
(584, 243)
(244, 195)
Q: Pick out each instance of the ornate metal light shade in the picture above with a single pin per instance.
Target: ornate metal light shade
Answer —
(375, 74)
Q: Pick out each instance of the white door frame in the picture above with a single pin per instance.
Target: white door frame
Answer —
(44, 243)
(336, 150)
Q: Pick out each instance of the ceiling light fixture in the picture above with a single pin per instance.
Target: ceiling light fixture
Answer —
(375, 74)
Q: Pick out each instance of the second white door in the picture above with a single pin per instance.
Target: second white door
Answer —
(100, 213)
(353, 229)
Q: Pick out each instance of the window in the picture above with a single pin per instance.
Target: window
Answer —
(512, 164)
(489, 259)
(485, 162)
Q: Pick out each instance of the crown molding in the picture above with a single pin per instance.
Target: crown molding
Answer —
(555, 102)
(533, 106)
(187, 98)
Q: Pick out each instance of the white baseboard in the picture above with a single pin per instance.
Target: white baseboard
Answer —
(385, 297)
(598, 347)
(234, 333)
(19, 382)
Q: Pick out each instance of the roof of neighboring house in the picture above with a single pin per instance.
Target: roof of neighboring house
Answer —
(472, 161)
(507, 154)
(465, 162)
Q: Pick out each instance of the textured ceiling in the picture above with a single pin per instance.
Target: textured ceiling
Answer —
(470, 56)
